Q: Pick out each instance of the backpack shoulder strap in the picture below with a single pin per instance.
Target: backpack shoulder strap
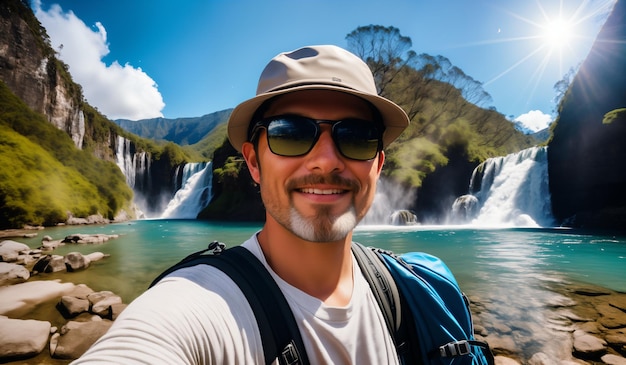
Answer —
(387, 296)
(279, 331)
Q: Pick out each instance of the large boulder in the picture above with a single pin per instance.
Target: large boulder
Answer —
(19, 299)
(588, 346)
(21, 339)
(75, 261)
(76, 338)
(50, 263)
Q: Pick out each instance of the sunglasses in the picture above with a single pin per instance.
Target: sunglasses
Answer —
(294, 135)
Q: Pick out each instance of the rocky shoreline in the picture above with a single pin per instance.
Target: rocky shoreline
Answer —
(586, 324)
(47, 321)
(52, 322)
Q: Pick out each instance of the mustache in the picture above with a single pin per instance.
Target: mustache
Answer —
(336, 180)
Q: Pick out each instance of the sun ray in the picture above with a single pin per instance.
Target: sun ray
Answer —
(553, 39)
(514, 66)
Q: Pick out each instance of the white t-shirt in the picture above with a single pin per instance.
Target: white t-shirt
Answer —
(198, 315)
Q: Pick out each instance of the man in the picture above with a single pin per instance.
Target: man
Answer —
(313, 139)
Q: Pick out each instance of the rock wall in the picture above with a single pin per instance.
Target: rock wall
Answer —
(586, 156)
(30, 69)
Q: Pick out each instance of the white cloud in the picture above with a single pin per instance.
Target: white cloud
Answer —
(117, 91)
(535, 120)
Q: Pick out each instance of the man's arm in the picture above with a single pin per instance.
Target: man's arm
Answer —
(200, 318)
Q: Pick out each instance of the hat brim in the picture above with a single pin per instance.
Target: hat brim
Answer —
(394, 118)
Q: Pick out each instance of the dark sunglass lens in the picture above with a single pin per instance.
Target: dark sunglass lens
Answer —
(357, 139)
(289, 136)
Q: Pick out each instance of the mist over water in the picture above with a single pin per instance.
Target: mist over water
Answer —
(389, 198)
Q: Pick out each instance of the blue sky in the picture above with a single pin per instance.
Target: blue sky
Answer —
(149, 58)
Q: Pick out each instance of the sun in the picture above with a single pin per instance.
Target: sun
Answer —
(552, 34)
(558, 33)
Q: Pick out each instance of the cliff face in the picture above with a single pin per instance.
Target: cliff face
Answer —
(586, 156)
(30, 70)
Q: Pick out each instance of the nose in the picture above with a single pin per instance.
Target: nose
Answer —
(325, 157)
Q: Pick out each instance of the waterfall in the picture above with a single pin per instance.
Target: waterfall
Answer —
(136, 169)
(508, 191)
(194, 194)
(125, 160)
(134, 165)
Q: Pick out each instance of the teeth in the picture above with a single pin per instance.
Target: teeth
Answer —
(321, 191)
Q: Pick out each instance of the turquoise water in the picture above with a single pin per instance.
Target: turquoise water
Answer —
(511, 272)
(486, 262)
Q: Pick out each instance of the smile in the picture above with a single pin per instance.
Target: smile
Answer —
(321, 191)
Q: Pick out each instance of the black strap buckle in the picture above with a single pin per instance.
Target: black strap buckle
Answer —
(290, 355)
(458, 348)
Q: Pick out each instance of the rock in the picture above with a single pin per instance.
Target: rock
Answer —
(503, 360)
(50, 245)
(611, 359)
(12, 273)
(95, 256)
(80, 291)
(591, 291)
(54, 342)
(101, 302)
(586, 345)
(611, 317)
(502, 343)
(19, 299)
(560, 301)
(10, 250)
(28, 259)
(590, 327)
(75, 261)
(541, 358)
(89, 238)
(574, 317)
(50, 263)
(77, 337)
(92, 219)
(480, 330)
(73, 306)
(116, 309)
(616, 339)
(403, 218)
(619, 302)
(22, 338)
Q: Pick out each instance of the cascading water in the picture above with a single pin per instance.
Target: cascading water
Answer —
(134, 165)
(136, 169)
(508, 191)
(194, 194)
(126, 160)
(192, 189)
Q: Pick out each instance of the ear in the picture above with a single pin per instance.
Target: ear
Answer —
(250, 155)
(381, 161)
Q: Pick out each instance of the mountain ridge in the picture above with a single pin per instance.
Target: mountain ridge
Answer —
(182, 131)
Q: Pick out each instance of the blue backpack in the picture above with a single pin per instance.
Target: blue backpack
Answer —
(424, 309)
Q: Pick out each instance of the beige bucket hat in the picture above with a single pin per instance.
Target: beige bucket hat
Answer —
(324, 67)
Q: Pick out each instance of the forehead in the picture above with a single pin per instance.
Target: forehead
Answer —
(321, 104)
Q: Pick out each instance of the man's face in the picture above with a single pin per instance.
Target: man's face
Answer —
(322, 195)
